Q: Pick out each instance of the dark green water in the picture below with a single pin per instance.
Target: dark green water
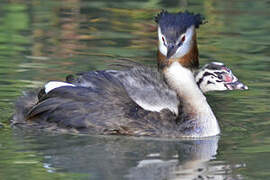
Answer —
(45, 40)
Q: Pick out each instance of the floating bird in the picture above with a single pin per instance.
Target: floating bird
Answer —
(139, 100)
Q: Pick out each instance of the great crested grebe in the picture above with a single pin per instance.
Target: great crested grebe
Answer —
(138, 101)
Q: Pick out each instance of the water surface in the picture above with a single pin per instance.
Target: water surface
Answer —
(45, 40)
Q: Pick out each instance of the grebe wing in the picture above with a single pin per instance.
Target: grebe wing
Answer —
(81, 107)
(107, 109)
(144, 85)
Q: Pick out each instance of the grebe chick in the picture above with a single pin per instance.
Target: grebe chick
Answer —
(140, 101)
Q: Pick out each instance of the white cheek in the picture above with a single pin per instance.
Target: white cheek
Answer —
(162, 48)
(186, 46)
(212, 87)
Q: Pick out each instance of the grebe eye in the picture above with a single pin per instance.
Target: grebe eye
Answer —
(163, 39)
(183, 38)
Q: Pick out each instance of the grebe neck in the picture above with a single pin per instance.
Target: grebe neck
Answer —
(195, 106)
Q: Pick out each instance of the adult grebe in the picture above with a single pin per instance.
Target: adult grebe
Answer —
(139, 101)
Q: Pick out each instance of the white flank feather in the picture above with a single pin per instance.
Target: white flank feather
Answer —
(55, 84)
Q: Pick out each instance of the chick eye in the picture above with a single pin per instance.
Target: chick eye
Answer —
(220, 76)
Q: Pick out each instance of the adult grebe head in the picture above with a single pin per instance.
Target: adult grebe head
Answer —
(177, 38)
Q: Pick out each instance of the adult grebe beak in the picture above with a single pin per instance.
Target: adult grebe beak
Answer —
(171, 50)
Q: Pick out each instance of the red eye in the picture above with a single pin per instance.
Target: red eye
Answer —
(163, 39)
(183, 38)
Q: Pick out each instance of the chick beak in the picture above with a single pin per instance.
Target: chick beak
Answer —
(237, 85)
(232, 82)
